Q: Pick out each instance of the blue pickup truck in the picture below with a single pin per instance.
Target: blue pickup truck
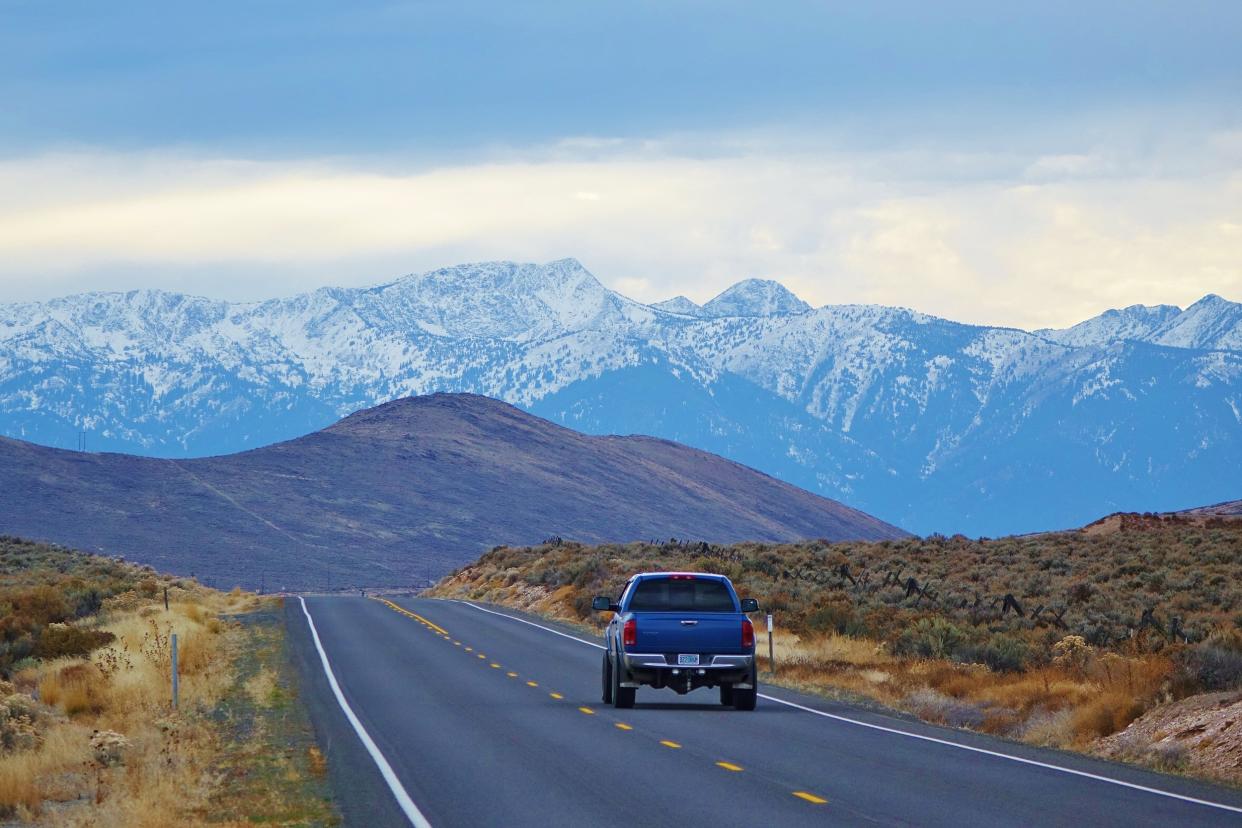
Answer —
(680, 630)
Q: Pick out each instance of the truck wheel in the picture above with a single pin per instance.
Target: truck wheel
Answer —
(606, 672)
(622, 697)
(745, 699)
(726, 694)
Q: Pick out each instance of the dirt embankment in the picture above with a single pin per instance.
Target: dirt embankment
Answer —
(1201, 735)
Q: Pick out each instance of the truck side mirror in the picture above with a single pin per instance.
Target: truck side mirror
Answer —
(750, 605)
(602, 603)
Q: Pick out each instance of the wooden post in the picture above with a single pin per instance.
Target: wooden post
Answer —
(175, 687)
(165, 599)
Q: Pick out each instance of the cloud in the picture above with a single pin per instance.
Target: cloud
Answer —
(990, 237)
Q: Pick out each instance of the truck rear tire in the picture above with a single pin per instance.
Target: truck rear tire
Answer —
(745, 699)
(622, 697)
(726, 695)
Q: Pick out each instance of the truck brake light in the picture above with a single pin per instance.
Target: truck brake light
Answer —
(629, 633)
(748, 633)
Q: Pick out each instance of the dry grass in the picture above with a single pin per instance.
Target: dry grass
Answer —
(263, 688)
(165, 770)
(53, 772)
(126, 688)
(1053, 705)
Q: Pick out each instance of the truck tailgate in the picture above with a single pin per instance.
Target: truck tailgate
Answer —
(703, 632)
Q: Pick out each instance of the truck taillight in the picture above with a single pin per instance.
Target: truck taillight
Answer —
(748, 633)
(629, 633)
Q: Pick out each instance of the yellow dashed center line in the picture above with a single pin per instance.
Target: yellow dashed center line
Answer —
(441, 632)
(415, 616)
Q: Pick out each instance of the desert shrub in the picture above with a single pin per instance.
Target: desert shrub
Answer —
(937, 707)
(1207, 667)
(835, 617)
(76, 688)
(1079, 592)
(60, 640)
(43, 604)
(1105, 714)
(1072, 652)
(581, 604)
(1226, 638)
(1003, 652)
(930, 638)
(20, 716)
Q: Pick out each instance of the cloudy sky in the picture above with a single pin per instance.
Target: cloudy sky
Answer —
(1026, 167)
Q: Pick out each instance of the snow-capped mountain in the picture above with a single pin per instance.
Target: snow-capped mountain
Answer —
(927, 423)
(755, 297)
(1212, 323)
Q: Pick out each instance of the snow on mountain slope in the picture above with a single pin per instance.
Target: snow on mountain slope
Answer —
(755, 297)
(899, 413)
(679, 304)
(1137, 322)
(1211, 324)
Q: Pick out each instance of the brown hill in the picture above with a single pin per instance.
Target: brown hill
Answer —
(396, 494)
(1232, 507)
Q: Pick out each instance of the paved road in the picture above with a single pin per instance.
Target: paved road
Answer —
(481, 719)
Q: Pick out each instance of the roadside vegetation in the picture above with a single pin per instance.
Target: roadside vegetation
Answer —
(87, 732)
(1061, 639)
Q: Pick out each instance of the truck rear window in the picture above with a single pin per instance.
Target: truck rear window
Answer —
(681, 595)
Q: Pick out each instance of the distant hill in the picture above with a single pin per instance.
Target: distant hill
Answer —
(392, 495)
(1229, 507)
(939, 426)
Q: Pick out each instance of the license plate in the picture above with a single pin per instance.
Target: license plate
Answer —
(688, 660)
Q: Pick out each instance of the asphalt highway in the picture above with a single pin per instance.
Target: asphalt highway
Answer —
(450, 714)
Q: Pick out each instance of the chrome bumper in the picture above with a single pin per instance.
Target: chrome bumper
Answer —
(656, 661)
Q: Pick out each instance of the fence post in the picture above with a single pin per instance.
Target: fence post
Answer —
(165, 599)
(175, 687)
(771, 650)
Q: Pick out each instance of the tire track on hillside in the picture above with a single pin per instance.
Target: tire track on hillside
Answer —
(239, 507)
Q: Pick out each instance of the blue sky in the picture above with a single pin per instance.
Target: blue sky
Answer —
(859, 152)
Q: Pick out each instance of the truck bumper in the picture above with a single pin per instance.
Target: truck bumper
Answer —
(654, 670)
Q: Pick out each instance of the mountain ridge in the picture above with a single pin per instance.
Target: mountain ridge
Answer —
(391, 494)
(888, 409)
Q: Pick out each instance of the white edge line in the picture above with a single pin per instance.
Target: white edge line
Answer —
(398, 790)
(893, 730)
